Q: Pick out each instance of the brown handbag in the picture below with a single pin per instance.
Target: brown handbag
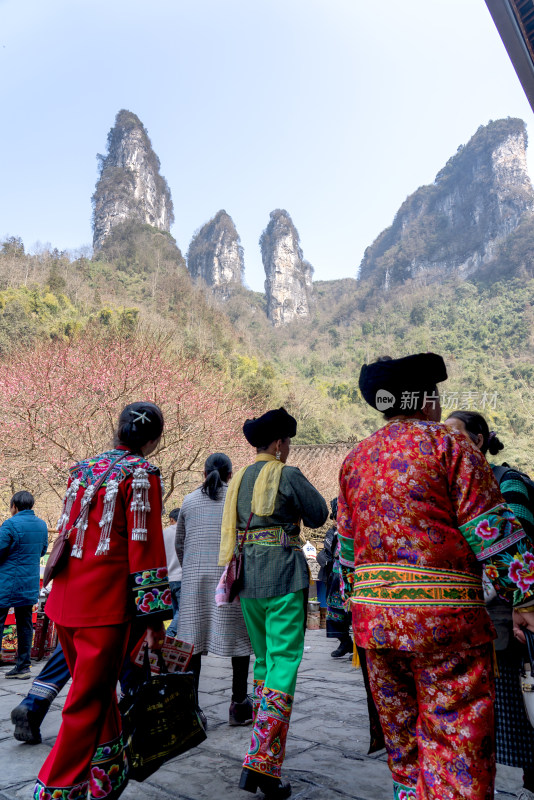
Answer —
(60, 552)
(235, 576)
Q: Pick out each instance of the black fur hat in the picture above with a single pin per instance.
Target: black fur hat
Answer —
(273, 425)
(393, 376)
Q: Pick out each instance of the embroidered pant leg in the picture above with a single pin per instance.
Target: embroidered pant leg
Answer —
(436, 711)
(276, 630)
(395, 695)
(48, 684)
(88, 753)
(455, 730)
(257, 694)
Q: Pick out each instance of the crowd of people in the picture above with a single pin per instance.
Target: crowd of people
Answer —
(429, 572)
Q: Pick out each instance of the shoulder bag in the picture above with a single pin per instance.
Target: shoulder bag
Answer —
(235, 575)
(160, 719)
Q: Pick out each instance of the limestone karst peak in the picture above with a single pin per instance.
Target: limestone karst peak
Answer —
(456, 225)
(288, 277)
(215, 254)
(130, 185)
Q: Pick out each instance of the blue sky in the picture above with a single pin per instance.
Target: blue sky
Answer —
(333, 109)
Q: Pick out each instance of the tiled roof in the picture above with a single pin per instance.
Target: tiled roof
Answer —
(320, 463)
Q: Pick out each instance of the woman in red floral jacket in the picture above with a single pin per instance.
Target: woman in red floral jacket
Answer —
(419, 513)
(116, 572)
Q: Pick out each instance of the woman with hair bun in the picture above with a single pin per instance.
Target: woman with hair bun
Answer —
(220, 630)
(513, 732)
(116, 575)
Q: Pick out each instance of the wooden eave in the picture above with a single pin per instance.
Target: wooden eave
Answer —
(514, 19)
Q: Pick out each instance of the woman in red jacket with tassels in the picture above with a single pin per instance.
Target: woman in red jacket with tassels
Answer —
(116, 572)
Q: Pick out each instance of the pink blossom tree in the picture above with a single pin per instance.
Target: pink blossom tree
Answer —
(60, 402)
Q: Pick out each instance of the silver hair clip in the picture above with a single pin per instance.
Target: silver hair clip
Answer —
(140, 417)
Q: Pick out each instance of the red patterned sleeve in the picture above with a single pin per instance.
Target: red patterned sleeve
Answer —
(146, 549)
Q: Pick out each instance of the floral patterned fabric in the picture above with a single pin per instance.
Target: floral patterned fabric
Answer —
(109, 776)
(420, 499)
(78, 792)
(257, 692)
(109, 771)
(401, 792)
(89, 470)
(269, 734)
(151, 592)
(498, 540)
(436, 711)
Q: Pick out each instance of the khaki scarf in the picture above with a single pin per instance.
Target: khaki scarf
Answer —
(263, 500)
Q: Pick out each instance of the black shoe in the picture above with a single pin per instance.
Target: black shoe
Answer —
(240, 713)
(21, 674)
(26, 724)
(272, 788)
(344, 648)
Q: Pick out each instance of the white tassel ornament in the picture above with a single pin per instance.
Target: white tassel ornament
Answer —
(70, 497)
(77, 550)
(110, 498)
(140, 504)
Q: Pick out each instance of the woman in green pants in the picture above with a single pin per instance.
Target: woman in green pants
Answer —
(266, 503)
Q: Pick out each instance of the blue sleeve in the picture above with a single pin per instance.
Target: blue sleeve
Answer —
(45, 542)
(6, 540)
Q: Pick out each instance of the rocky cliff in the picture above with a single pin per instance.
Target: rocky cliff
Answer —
(215, 254)
(456, 225)
(288, 277)
(130, 186)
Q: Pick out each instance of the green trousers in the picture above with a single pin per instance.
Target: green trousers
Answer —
(276, 629)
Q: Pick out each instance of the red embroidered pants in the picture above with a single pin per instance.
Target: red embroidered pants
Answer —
(436, 712)
(88, 753)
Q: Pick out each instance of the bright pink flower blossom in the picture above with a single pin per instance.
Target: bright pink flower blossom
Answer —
(521, 571)
(485, 530)
(100, 783)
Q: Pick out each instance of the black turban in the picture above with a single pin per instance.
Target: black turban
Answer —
(273, 425)
(418, 373)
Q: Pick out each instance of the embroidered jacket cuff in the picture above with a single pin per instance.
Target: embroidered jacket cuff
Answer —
(151, 595)
(498, 540)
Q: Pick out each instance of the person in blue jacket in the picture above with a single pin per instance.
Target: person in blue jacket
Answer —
(23, 540)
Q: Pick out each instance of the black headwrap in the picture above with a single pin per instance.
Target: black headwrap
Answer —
(418, 373)
(273, 425)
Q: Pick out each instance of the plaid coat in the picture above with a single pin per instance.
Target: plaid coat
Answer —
(210, 628)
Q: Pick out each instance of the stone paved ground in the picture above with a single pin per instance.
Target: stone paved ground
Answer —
(326, 754)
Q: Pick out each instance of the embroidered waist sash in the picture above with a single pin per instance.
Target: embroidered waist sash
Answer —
(403, 585)
(269, 537)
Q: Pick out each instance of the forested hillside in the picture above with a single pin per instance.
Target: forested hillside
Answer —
(80, 337)
(484, 331)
